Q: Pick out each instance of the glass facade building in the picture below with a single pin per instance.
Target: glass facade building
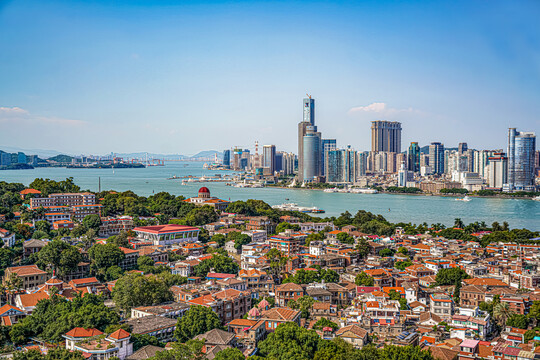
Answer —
(312, 154)
(413, 157)
(436, 157)
(521, 153)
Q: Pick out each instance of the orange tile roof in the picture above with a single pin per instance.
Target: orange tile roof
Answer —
(120, 334)
(30, 191)
(28, 300)
(80, 332)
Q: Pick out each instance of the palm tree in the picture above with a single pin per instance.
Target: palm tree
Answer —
(501, 312)
(458, 223)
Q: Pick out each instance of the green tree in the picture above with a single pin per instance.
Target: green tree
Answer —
(220, 239)
(43, 225)
(386, 253)
(518, 321)
(137, 290)
(289, 341)
(276, 261)
(345, 238)
(141, 340)
(450, 276)
(303, 304)
(218, 263)
(363, 279)
(230, 354)
(61, 256)
(196, 321)
(53, 317)
(191, 350)
(113, 272)
(92, 222)
(285, 225)
(104, 256)
(501, 313)
(324, 322)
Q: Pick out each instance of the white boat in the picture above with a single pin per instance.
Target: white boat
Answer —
(537, 198)
(332, 190)
(466, 198)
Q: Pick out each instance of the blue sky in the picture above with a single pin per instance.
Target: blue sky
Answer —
(179, 77)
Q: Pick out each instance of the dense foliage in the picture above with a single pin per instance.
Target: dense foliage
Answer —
(138, 290)
(53, 317)
(310, 276)
(196, 321)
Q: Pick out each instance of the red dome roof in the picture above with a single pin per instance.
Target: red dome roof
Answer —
(204, 190)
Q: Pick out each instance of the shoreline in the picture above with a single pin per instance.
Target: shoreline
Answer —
(507, 197)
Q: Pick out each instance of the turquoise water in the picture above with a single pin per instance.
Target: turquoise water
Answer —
(396, 208)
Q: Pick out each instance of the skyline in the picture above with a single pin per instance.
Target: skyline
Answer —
(77, 75)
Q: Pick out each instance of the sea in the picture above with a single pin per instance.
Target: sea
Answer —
(519, 213)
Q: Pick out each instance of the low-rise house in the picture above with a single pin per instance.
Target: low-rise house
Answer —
(160, 327)
(10, 315)
(248, 332)
(276, 316)
(7, 238)
(170, 310)
(130, 259)
(32, 246)
(441, 305)
(354, 335)
(287, 292)
(32, 277)
(95, 347)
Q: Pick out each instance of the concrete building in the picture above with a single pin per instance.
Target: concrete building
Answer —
(269, 159)
(497, 174)
(386, 136)
(311, 154)
(436, 157)
(167, 234)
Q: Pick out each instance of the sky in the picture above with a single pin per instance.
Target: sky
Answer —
(178, 77)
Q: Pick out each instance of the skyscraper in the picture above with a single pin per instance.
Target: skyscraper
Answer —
(497, 173)
(311, 154)
(341, 166)
(227, 158)
(327, 144)
(308, 119)
(269, 159)
(462, 148)
(309, 110)
(386, 136)
(436, 157)
(413, 157)
(521, 152)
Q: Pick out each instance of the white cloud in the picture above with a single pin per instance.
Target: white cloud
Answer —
(12, 111)
(381, 109)
(17, 116)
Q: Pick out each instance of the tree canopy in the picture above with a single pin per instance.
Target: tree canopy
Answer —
(196, 321)
(138, 290)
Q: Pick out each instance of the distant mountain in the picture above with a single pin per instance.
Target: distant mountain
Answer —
(62, 158)
(39, 152)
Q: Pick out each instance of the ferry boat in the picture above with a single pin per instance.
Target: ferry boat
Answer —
(466, 198)
(295, 207)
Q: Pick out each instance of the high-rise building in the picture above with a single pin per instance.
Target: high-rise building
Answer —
(413, 159)
(288, 163)
(279, 161)
(327, 144)
(436, 157)
(521, 151)
(269, 159)
(386, 136)
(462, 148)
(481, 161)
(312, 154)
(497, 172)
(341, 166)
(308, 119)
(361, 164)
(309, 110)
(226, 157)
